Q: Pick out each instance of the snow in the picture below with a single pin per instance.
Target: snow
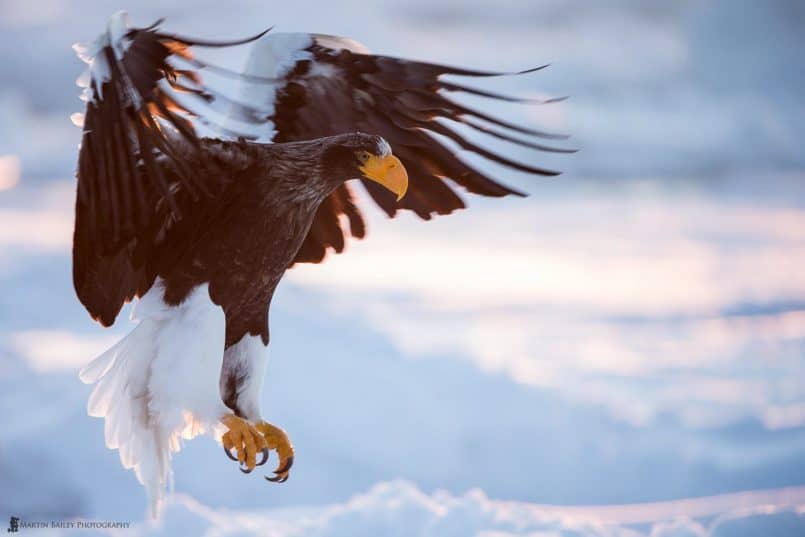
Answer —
(399, 509)
(633, 332)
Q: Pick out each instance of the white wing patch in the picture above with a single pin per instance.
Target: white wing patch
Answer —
(337, 43)
(271, 57)
(90, 53)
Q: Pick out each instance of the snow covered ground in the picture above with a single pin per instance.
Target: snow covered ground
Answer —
(627, 343)
(399, 509)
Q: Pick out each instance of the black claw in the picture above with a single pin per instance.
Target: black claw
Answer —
(284, 479)
(246, 470)
(276, 479)
(285, 467)
(229, 454)
(264, 452)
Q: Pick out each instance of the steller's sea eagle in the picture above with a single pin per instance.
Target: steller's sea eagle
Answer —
(201, 229)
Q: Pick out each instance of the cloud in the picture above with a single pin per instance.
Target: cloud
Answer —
(57, 350)
(398, 508)
(624, 253)
(37, 219)
(16, 13)
(44, 144)
(39, 230)
(657, 293)
(9, 171)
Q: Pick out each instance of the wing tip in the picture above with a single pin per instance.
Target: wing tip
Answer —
(532, 69)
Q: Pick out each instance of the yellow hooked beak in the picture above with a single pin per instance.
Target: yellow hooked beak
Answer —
(388, 171)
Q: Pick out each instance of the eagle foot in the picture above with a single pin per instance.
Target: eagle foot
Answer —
(247, 442)
(277, 440)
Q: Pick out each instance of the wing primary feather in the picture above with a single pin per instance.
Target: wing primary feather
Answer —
(475, 148)
(429, 104)
(223, 103)
(136, 213)
(184, 128)
(191, 41)
(415, 121)
(108, 203)
(441, 69)
(453, 110)
(501, 123)
(119, 142)
(88, 182)
(451, 86)
(425, 121)
(185, 175)
(444, 199)
(462, 173)
(199, 118)
(200, 64)
(518, 141)
(357, 225)
(147, 28)
(147, 155)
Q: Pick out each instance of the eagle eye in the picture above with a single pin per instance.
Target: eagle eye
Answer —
(363, 156)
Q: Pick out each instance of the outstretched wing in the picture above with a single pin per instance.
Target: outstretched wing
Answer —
(134, 171)
(144, 96)
(329, 85)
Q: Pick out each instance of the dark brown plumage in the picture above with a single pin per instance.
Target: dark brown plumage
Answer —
(242, 237)
(142, 167)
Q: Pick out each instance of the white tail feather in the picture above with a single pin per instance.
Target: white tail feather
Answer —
(160, 384)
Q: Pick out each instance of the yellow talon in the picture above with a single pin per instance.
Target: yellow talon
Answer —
(245, 439)
(277, 440)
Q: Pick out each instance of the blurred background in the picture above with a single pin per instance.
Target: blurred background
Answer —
(632, 334)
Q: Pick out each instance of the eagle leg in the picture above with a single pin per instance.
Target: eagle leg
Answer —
(246, 440)
(277, 439)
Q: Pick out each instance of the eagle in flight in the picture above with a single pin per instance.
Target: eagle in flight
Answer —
(195, 200)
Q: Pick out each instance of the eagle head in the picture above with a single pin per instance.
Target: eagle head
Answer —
(367, 156)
